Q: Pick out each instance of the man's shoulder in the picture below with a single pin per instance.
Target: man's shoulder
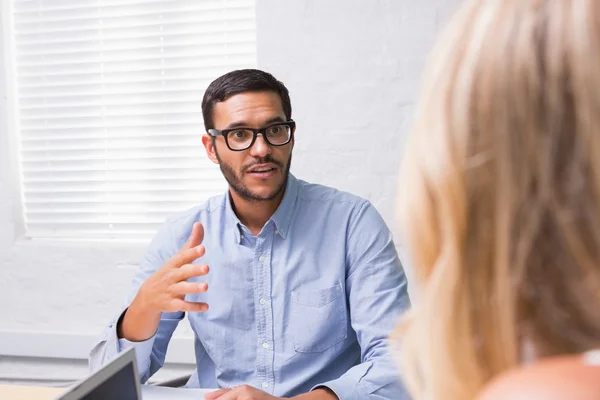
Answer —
(314, 192)
(181, 222)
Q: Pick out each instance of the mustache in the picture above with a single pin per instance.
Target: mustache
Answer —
(266, 160)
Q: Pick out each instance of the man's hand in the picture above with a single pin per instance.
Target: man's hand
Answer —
(243, 392)
(246, 392)
(164, 290)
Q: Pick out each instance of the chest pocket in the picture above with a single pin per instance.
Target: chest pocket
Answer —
(319, 319)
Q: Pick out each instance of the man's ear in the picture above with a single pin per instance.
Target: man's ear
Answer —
(208, 143)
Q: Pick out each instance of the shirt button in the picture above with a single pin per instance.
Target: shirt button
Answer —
(265, 345)
(263, 302)
(261, 258)
(265, 385)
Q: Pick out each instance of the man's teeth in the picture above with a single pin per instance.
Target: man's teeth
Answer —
(262, 169)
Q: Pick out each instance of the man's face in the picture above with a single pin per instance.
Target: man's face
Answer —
(260, 172)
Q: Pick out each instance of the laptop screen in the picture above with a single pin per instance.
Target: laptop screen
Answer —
(117, 380)
(120, 386)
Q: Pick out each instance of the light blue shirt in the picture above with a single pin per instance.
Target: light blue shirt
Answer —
(308, 302)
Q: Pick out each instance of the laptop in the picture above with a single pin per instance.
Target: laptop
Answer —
(119, 380)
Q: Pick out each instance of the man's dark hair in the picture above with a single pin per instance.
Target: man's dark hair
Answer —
(240, 81)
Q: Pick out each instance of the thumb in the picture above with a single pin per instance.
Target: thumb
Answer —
(196, 237)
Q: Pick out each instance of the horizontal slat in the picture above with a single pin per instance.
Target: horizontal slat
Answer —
(100, 215)
(109, 22)
(155, 92)
(132, 132)
(201, 62)
(47, 13)
(168, 34)
(138, 198)
(76, 230)
(135, 151)
(225, 61)
(110, 110)
(115, 99)
(136, 235)
(33, 5)
(141, 236)
(111, 86)
(115, 121)
(206, 170)
(126, 99)
(125, 70)
(216, 48)
(154, 110)
(180, 33)
(137, 48)
(41, 208)
(149, 77)
(114, 165)
(85, 156)
(103, 204)
(158, 186)
(88, 144)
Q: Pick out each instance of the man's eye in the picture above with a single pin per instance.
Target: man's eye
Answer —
(239, 134)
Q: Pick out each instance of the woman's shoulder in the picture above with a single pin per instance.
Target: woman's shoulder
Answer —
(557, 378)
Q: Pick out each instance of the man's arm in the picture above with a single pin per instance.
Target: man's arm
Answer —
(155, 304)
(377, 291)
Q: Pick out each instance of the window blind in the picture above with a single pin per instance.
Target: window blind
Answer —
(109, 108)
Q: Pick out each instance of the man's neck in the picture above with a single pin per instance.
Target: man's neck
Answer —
(254, 214)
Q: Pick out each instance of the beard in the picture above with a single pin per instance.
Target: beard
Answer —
(236, 181)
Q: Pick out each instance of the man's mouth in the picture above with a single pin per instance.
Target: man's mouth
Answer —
(262, 170)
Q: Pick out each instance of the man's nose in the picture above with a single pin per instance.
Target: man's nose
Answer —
(260, 148)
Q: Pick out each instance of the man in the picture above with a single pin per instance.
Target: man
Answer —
(291, 288)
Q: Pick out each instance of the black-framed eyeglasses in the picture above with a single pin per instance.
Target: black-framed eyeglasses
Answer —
(238, 139)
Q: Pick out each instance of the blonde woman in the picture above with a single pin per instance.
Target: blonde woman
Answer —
(500, 204)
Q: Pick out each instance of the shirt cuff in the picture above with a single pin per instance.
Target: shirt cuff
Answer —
(345, 389)
(143, 350)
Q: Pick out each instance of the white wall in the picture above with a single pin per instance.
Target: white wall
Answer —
(353, 69)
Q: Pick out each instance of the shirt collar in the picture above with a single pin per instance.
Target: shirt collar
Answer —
(282, 216)
(233, 219)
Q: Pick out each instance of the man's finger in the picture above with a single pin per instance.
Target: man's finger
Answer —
(232, 394)
(196, 237)
(216, 394)
(188, 271)
(189, 306)
(186, 256)
(183, 288)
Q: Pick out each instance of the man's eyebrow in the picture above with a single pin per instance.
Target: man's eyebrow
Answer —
(242, 124)
(237, 125)
(274, 120)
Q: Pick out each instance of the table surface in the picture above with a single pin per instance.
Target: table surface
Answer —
(12, 392)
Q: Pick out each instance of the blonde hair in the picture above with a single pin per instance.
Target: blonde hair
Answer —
(499, 195)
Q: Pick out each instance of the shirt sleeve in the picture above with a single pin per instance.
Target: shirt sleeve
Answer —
(150, 354)
(377, 292)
